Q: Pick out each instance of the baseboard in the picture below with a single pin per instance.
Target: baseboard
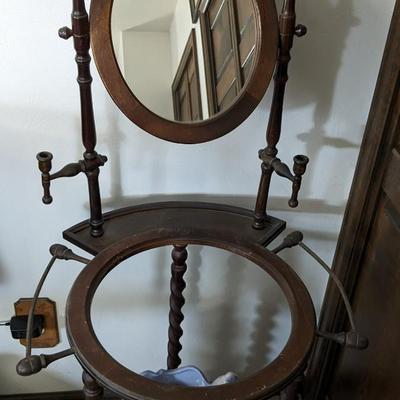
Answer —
(78, 395)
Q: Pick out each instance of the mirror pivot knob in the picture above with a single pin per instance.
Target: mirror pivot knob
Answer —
(300, 30)
(65, 32)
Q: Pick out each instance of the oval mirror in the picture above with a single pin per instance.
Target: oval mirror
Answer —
(187, 71)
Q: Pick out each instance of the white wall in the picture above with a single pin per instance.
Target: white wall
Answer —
(142, 44)
(154, 37)
(181, 27)
(150, 11)
(144, 54)
(124, 17)
(333, 75)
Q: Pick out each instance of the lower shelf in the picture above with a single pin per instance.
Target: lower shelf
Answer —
(125, 222)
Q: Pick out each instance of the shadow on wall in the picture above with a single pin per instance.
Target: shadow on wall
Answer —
(316, 206)
(223, 324)
(230, 313)
(314, 71)
(317, 59)
(270, 302)
(3, 272)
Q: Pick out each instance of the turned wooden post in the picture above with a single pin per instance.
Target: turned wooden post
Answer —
(288, 29)
(176, 302)
(91, 389)
(81, 34)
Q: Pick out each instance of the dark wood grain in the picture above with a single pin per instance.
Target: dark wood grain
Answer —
(176, 302)
(374, 373)
(92, 161)
(142, 228)
(125, 222)
(50, 337)
(196, 132)
(108, 372)
(366, 258)
(287, 32)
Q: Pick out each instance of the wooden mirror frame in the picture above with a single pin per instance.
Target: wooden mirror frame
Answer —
(180, 132)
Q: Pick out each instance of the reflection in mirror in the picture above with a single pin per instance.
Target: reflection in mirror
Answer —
(180, 69)
(236, 316)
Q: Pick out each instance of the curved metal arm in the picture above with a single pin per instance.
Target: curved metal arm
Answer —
(32, 363)
(336, 280)
(350, 339)
(29, 328)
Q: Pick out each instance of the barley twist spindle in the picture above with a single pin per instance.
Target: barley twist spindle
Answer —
(175, 332)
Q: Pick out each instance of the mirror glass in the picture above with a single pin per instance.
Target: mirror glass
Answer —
(230, 304)
(185, 60)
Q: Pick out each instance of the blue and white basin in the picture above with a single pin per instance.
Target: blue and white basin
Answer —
(188, 376)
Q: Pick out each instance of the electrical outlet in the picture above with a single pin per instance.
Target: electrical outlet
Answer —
(46, 307)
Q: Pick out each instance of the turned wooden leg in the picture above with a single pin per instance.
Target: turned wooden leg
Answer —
(91, 388)
(176, 302)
